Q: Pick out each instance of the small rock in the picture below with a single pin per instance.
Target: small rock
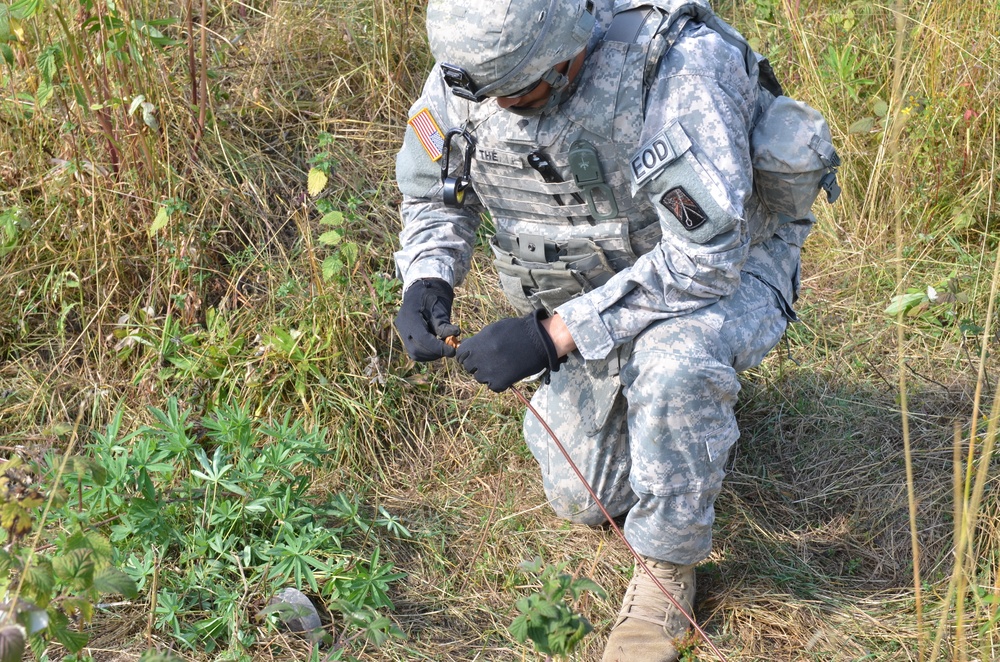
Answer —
(302, 617)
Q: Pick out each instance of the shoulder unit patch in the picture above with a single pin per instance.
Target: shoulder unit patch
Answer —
(684, 208)
(428, 133)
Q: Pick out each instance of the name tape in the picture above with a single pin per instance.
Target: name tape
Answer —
(491, 155)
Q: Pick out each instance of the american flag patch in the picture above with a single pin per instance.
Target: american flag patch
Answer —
(428, 132)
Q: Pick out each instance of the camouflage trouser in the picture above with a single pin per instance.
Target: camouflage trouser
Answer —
(651, 427)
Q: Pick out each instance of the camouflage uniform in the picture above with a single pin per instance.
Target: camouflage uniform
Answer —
(671, 274)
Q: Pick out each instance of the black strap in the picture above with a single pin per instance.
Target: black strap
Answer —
(627, 25)
(768, 80)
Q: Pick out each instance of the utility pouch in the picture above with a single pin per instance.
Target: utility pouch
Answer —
(793, 158)
(569, 269)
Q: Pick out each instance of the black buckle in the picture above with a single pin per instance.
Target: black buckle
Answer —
(460, 82)
(454, 187)
(829, 184)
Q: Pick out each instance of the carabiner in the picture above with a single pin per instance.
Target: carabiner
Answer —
(455, 185)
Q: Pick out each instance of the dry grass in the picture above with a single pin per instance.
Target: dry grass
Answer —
(812, 557)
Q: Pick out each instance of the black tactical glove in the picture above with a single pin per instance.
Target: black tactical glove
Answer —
(424, 319)
(507, 351)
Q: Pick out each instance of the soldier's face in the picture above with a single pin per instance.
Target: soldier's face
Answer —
(539, 94)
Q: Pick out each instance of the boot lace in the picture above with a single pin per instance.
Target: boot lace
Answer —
(643, 599)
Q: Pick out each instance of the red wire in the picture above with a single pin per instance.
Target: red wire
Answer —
(611, 521)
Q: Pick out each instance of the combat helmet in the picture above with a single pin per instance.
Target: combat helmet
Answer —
(490, 48)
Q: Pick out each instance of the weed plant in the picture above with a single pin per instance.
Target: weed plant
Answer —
(197, 219)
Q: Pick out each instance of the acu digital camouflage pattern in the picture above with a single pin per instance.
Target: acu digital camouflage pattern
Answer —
(693, 308)
(792, 154)
(524, 39)
(651, 427)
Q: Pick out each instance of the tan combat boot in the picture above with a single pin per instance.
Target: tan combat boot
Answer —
(648, 624)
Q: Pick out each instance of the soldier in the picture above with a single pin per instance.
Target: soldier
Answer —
(611, 147)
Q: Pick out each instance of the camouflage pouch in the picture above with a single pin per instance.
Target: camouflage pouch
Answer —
(567, 270)
(793, 158)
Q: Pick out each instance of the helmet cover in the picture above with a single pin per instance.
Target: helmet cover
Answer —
(507, 45)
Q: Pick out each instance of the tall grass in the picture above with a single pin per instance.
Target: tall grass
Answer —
(172, 249)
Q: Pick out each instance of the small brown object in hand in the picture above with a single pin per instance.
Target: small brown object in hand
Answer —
(452, 341)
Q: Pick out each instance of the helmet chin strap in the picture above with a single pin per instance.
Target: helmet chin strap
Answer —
(561, 90)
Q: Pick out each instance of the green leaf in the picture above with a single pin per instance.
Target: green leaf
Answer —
(113, 580)
(331, 238)
(59, 630)
(39, 581)
(317, 181)
(11, 643)
(76, 567)
(48, 63)
(903, 303)
(94, 542)
(519, 628)
(881, 108)
(82, 608)
(332, 266)
(863, 125)
(534, 566)
(44, 93)
(332, 218)
(24, 9)
(136, 102)
(581, 584)
(160, 222)
(149, 116)
(349, 252)
(8, 54)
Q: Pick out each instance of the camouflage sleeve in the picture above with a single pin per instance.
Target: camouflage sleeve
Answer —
(698, 180)
(436, 240)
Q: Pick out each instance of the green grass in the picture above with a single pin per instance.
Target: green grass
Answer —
(182, 257)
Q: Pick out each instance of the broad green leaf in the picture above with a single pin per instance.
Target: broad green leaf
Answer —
(8, 54)
(519, 628)
(59, 630)
(881, 108)
(332, 218)
(149, 116)
(332, 266)
(582, 584)
(44, 93)
(160, 222)
(136, 102)
(902, 303)
(349, 252)
(39, 581)
(863, 125)
(92, 541)
(331, 238)
(76, 566)
(11, 643)
(80, 607)
(48, 62)
(317, 181)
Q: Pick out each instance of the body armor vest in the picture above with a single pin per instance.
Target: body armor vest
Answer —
(555, 236)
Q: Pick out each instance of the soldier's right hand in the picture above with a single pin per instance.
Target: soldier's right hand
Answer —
(424, 319)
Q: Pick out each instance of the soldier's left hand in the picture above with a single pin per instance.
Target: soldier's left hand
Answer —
(507, 351)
